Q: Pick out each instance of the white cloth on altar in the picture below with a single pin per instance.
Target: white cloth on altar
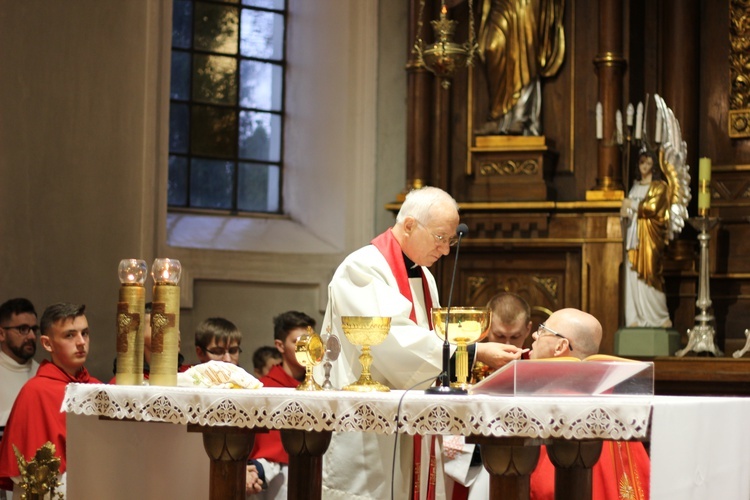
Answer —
(700, 448)
(410, 357)
(13, 377)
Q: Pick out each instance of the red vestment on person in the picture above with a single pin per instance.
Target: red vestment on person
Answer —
(36, 418)
(622, 472)
(268, 444)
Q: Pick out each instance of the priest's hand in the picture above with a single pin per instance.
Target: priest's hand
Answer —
(495, 354)
(253, 484)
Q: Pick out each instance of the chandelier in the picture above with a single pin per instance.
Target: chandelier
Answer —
(444, 57)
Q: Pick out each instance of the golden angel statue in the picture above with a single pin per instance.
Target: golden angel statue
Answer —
(520, 41)
(655, 211)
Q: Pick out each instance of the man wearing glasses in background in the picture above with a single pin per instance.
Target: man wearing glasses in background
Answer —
(218, 339)
(18, 329)
(623, 469)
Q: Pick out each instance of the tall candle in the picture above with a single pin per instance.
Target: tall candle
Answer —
(704, 186)
(618, 124)
(599, 121)
(629, 115)
(704, 169)
(639, 121)
(659, 126)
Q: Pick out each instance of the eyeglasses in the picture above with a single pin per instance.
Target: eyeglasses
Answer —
(23, 329)
(540, 333)
(450, 240)
(220, 351)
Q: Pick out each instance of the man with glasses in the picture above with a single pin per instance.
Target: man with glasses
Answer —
(18, 329)
(567, 332)
(218, 339)
(390, 277)
(623, 469)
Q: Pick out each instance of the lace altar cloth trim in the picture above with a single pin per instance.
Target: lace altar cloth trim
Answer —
(569, 417)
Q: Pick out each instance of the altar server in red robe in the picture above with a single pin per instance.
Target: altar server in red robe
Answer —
(36, 417)
(268, 453)
(390, 277)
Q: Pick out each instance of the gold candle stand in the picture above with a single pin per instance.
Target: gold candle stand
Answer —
(130, 314)
(165, 322)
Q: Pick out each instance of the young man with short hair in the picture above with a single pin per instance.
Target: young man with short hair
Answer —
(268, 453)
(218, 339)
(36, 417)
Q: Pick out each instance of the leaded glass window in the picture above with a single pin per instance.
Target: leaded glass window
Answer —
(226, 114)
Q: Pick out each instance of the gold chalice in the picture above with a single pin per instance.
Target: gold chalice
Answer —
(309, 351)
(366, 331)
(466, 325)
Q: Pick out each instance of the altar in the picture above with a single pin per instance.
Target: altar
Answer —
(698, 445)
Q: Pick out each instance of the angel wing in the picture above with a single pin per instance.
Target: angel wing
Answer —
(673, 162)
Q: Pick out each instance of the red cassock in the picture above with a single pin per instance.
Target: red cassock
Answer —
(36, 418)
(268, 444)
(622, 472)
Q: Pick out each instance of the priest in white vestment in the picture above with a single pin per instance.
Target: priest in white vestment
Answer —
(390, 278)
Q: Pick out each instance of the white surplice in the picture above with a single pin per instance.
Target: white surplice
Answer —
(358, 465)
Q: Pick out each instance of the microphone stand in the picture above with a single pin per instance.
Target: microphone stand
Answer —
(445, 377)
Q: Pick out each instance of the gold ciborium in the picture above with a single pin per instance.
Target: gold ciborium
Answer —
(366, 331)
(309, 351)
(466, 325)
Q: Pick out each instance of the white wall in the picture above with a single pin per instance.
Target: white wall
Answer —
(83, 137)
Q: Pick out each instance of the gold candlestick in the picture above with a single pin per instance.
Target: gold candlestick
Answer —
(130, 314)
(165, 322)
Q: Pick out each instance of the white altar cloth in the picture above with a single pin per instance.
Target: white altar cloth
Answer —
(700, 446)
(568, 417)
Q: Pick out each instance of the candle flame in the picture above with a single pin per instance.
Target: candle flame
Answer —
(443, 11)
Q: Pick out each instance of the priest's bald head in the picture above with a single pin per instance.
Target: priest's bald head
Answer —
(426, 225)
(567, 332)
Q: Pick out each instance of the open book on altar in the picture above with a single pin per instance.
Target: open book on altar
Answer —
(597, 374)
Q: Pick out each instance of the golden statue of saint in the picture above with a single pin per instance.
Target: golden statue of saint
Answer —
(520, 41)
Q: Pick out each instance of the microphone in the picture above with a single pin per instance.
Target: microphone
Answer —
(445, 377)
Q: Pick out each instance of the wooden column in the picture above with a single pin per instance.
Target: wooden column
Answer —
(305, 449)
(680, 36)
(228, 449)
(610, 67)
(418, 105)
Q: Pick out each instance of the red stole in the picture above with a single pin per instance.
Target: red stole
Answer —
(388, 246)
